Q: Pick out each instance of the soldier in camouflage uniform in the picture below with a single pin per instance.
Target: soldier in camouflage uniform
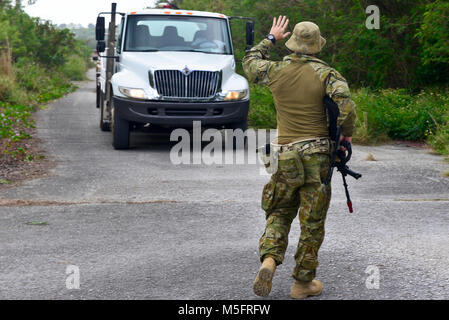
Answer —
(298, 84)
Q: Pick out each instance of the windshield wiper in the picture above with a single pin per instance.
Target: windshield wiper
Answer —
(196, 50)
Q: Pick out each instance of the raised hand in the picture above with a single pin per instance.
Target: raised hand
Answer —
(279, 27)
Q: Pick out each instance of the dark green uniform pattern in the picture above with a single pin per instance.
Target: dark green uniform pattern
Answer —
(297, 185)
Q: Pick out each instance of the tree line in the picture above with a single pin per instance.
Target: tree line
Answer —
(34, 39)
(410, 50)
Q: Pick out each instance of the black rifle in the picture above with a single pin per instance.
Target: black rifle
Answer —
(339, 158)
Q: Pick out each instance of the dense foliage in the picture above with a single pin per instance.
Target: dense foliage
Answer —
(37, 63)
(410, 50)
(382, 114)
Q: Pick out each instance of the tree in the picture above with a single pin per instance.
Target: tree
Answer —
(409, 50)
(433, 33)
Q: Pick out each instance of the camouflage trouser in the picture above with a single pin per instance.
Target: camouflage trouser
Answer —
(297, 184)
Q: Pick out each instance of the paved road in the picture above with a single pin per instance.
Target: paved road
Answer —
(139, 227)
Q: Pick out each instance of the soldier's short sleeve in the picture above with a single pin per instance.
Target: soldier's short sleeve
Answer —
(337, 88)
(256, 65)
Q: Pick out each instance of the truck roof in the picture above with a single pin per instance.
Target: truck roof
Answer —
(179, 12)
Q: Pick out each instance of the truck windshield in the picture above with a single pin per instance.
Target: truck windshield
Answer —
(177, 33)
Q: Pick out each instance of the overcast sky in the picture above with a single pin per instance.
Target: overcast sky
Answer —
(80, 11)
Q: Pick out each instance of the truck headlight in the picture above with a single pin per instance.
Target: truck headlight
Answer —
(133, 93)
(235, 95)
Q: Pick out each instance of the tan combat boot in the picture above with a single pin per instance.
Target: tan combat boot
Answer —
(263, 282)
(301, 290)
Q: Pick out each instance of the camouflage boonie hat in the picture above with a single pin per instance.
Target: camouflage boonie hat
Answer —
(306, 38)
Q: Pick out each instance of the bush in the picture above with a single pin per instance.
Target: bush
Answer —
(11, 92)
(409, 50)
(75, 68)
(440, 139)
(433, 33)
(31, 75)
(262, 113)
(399, 114)
(6, 84)
(381, 115)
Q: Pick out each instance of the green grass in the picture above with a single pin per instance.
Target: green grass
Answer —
(398, 114)
(27, 85)
(38, 61)
(439, 138)
(13, 119)
(37, 223)
(381, 115)
(75, 68)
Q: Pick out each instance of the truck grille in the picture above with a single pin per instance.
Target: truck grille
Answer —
(197, 84)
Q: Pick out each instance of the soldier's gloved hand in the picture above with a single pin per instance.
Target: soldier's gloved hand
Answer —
(343, 138)
(279, 27)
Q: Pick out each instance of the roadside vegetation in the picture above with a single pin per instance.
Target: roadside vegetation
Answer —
(37, 64)
(398, 74)
(383, 114)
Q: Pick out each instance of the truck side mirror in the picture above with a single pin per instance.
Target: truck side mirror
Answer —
(101, 46)
(100, 29)
(250, 34)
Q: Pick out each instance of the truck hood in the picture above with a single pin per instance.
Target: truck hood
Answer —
(173, 60)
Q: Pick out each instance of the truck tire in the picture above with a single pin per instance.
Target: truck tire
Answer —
(104, 125)
(120, 130)
(239, 125)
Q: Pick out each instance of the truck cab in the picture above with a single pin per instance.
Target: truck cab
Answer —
(168, 68)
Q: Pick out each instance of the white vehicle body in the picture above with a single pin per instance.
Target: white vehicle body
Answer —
(173, 67)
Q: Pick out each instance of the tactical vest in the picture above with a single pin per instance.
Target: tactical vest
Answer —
(298, 97)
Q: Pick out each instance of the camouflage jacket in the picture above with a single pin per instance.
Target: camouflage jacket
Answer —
(260, 69)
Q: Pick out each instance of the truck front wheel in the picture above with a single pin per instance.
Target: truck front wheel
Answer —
(120, 130)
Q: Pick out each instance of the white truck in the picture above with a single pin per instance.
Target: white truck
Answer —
(168, 68)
